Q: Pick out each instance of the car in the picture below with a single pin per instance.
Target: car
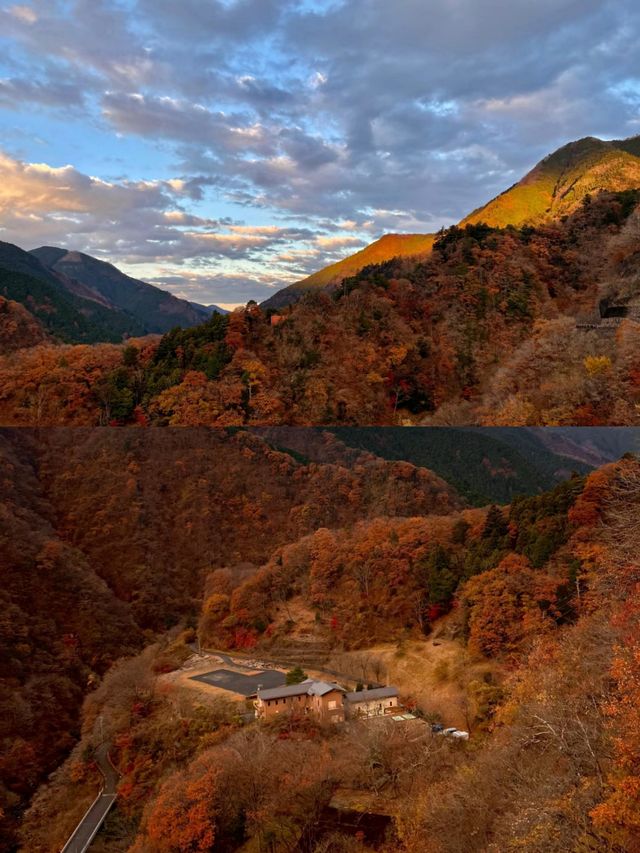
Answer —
(460, 735)
(452, 732)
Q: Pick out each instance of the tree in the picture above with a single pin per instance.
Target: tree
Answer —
(296, 675)
(183, 817)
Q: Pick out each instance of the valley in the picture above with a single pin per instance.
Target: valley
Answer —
(127, 550)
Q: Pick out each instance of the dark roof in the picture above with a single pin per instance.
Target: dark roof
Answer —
(374, 693)
(310, 687)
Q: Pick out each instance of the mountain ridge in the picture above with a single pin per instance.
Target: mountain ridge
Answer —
(80, 299)
(551, 189)
(54, 301)
(158, 310)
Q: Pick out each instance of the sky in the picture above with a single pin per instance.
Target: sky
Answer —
(222, 149)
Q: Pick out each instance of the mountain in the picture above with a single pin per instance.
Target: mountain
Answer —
(66, 310)
(388, 246)
(483, 465)
(157, 311)
(555, 187)
(495, 327)
(79, 299)
(209, 309)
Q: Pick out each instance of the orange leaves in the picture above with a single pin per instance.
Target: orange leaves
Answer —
(182, 818)
(506, 605)
(587, 509)
(236, 329)
(621, 809)
(194, 401)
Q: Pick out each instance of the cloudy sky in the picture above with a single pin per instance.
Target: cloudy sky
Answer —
(224, 148)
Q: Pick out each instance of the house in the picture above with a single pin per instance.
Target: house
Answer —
(371, 703)
(320, 699)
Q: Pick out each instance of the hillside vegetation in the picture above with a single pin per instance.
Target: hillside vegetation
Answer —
(107, 539)
(554, 187)
(79, 299)
(65, 316)
(18, 328)
(498, 327)
(536, 605)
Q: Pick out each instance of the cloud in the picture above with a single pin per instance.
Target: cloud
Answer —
(131, 219)
(23, 13)
(318, 123)
(217, 288)
(143, 225)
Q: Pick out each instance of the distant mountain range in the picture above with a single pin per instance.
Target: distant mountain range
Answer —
(79, 299)
(553, 188)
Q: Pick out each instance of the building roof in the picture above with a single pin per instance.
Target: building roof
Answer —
(374, 693)
(319, 688)
(309, 687)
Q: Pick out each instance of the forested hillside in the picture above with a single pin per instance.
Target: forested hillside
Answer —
(484, 465)
(108, 537)
(67, 310)
(500, 327)
(536, 602)
(554, 188)
(154, 310)
(19, 328)
(386, 576)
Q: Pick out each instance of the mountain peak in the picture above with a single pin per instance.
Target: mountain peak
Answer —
(557, 184)
(158, 310)
(555, 187)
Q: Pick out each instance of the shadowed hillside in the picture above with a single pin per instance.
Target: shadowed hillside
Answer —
(154, 309)
(485, 466)
(522, 621)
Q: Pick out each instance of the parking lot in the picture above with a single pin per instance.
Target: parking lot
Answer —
(237, 682)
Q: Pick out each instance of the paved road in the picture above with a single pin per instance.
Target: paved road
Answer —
(224, 657)
(92, 821)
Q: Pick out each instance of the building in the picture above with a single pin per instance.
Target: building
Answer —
(371, 703)
(318, 698)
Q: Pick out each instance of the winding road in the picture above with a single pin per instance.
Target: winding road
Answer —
(86, 830)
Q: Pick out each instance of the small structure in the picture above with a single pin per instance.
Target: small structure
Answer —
(371, 703)
(320, 699)
(276, 318)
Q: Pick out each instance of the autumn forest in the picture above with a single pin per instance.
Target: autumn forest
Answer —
(496, 326)
(127, 553)
(319, 426)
